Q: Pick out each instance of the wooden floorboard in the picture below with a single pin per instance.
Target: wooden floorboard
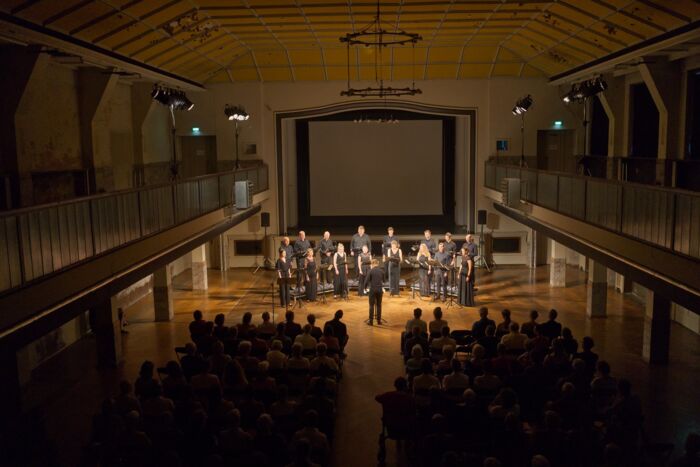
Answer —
(669, 392)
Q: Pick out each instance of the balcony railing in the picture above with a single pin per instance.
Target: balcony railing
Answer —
(668, 218)
(41, 240)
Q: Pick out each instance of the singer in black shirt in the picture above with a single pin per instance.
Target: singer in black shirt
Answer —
(300, 246)
(376, 284)
(444, 259)
(326, 249)
(429, 242)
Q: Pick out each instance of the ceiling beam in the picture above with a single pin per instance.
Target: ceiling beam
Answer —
(621, 11)
(666, 10)
(66, 12)
(134, 21)
(676, 36)
(584, 12)
(471, 37)
(101, 18)
(34, 33)
(23, 6)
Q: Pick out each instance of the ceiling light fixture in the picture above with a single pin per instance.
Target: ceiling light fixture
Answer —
(379, 35)
(236, 112)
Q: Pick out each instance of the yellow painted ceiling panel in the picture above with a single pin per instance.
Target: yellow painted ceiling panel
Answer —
(654, 15)
(445, 54)
(272, 57)
(81, 16)
(530, 72)
(276, 74)
(478, 54)
(408, 72)
(506, 69)
(218, 77)
(40, 11)
(336, 73)
(474, 71)
(441, 71)
(244, 74)
(305, 57)
(634, 24)
(315, 73)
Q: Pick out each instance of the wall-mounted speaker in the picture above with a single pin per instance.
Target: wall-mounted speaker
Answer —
(265, 219)
(481, 217)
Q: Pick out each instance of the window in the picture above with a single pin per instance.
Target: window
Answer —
(506, 245)
(248, 247)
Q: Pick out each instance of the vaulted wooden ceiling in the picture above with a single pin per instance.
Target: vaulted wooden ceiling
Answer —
(298, 40)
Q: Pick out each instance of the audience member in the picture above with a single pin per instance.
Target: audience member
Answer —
(198, 327)
(291, 328)
(416, 322)
(276, 357)
(417, 337)
(307, 341)
(439, 342)
(479, 327)
(245, 325)
(220, 330)
(316, 332)
(503, 327)
(552, 328)
(339, 329)
(528, 328)
(489, 341)
(267, 328)
(514, 340)
(436, 325)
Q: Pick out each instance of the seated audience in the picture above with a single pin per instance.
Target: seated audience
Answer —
(426, 380)
(276, 357)
(291, 328)
(339, 329)
(267, 328)
(552, 328)
(479, 327)
(489, 341)
(283, 338)
(220, 330)
(503, 327)
(514, 340)
(570, 344)
(297, 361)
(456, 380)
(436, 325)
(415, 362)
(145, 384)
(416, 322)
(125, 401)
(198, 327)
(587, 355)
(398, 409)
(417, 337)
(528, 328)
(218, 359)
(245, 325)
(444, 339)
(323, 363)
(318, 440)
(307, 341)
(316, 332)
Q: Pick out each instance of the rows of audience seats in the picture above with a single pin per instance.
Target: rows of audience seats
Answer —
(514, 395)
(253, 394)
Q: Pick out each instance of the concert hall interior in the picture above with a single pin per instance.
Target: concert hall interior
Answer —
(350, 233)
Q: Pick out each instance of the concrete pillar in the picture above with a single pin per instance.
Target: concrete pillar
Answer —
(104, 320)
(10, 389)
(623, 284)
(657, 328)
(557, 265)
(663, 79)
(597, 291)
(13, 82)
(141, 104)
(615, 103)
(582, 262)
(199, 268)
(163, 294)
(218, 253)
(95, 85)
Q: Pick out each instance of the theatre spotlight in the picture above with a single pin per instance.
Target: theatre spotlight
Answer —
(522, 105)
(580, 92)
(173, 98)
(235, 112)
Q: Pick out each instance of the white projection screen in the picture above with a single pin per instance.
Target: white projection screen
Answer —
(375, 169)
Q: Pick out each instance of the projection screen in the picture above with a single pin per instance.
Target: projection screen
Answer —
(374, 169)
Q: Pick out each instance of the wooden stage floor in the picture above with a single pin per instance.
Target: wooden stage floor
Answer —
(669, 393)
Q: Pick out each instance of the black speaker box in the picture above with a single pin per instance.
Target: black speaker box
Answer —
(481, 217)
(265, 219)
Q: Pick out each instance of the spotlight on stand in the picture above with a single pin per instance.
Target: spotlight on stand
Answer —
(522, 105)
(236, 114)
(520, 109)
(174, 99)
(580, 92)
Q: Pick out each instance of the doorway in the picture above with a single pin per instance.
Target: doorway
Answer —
(645, 123)
(555, 150)
(198, 155)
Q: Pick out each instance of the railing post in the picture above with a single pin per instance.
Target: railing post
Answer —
(138, 210)
(92, 227)
(674, 208)
(20, 247)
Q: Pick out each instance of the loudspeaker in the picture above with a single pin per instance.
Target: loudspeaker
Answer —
(265, 219)
(243, 197)
(481, 217)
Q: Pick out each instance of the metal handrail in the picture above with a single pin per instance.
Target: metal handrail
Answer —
(39, 241)
(666, 223)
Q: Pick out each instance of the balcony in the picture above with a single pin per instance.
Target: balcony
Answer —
(41, 241)
(664, 217)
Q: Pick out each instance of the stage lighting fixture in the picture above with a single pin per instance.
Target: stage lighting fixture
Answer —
(585, 89)
(173, 98)
(236, 113)
(522, 105)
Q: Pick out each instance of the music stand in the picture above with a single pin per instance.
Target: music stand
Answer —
(298, 301)
(436, 265)
(453, 281)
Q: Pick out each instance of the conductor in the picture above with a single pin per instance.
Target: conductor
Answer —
(376, 283)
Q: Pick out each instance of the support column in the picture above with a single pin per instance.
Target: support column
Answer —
(623, 284)
(597, 291)
(657, 328)
(95, 87)
(141, 105)
(10, 389)
(104, 320)
(615, 103)
(557, 265)
(163, 294)
(13, 81)
(218, 252)
(199, 268)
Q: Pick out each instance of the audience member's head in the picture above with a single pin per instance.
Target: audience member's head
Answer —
(266, 316)
(603, 368)
(478, 351)
(307, 329)
(247, 317)
(244, 348)
(534, 315)
(587, 343)
(445, 331)
(401, 384)
(321, 349)
(539, 460)
(297, 348)
(417, 352)
(289, 316)
(553, 314)
(417, 312)
(566, 333)
(490, 330)
(311, 319)
(505, 314)
(514, 328)
(338, 314)
(276, 345)
(437, 312)
(146, 371)
(197, 315)
(483, 312)
(219, 319)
